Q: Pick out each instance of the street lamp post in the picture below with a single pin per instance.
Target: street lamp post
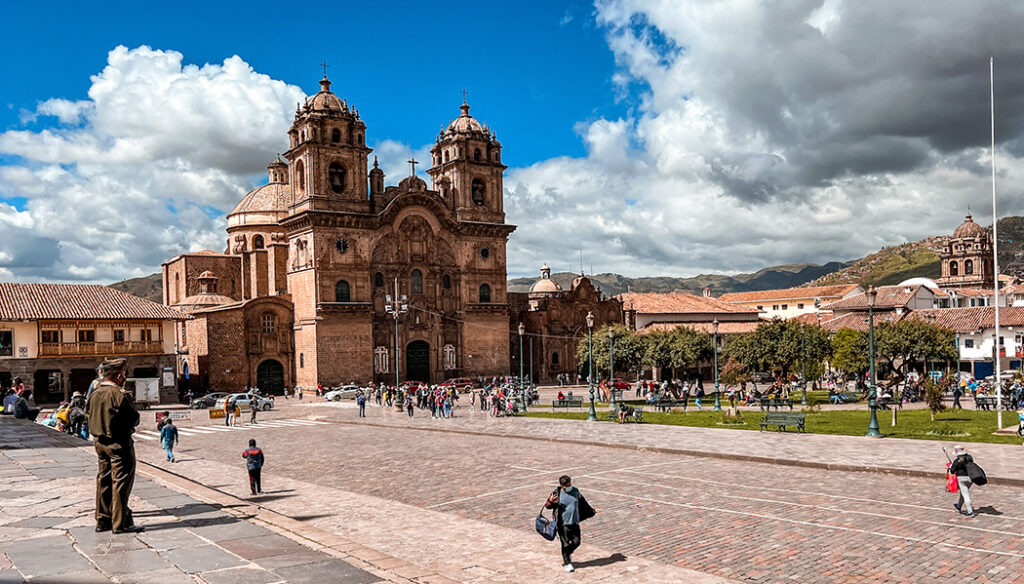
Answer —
(592, 415)
(718, 401)
(396, 306)
(522, 391)
(803, 360)
(873, 432)
(611, 366)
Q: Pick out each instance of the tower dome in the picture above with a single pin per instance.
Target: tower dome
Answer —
(467, 124)
(545, 285)
(969, 229)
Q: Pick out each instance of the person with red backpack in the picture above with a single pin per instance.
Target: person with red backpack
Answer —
(254, 463)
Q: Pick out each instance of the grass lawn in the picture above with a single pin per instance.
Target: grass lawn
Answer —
(955, 426)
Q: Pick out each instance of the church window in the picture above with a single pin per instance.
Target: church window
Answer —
(380, 359)
(478, 191)
(359, 139)
(335, 135)
(485, 293)
(268, 322)
(300, 177)
(476, 154)
(257, 242)
(336, 176)
(449, 357)
(446, 156)
(416, 282)
(378, 280)
(954, 269)
(969, 267)
(446, 281)
(302, 360)
(342, 293)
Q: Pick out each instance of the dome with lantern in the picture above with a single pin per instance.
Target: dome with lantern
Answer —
(545, 285)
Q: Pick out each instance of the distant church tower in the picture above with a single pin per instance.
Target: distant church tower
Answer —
(467, 169)
(967, 257)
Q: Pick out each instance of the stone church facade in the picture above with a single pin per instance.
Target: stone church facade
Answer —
(315, 257)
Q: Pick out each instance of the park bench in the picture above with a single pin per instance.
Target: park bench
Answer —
(985, 402)
(567, 403)
(636, 415)
(776, 402)
(664, 405)
(782, 420)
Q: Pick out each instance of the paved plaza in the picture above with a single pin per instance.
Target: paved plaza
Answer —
(427, 500)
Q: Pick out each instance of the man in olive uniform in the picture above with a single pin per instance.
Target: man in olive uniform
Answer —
(112, 420)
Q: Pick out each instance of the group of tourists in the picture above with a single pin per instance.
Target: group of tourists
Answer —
(18, 402)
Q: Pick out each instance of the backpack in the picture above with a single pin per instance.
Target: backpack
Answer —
(976, 474)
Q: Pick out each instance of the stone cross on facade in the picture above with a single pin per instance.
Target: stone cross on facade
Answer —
(464, 94)
(412, 166)
(325, 66)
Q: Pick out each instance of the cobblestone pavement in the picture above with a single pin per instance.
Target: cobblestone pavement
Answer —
(458, 496)
(47, 482)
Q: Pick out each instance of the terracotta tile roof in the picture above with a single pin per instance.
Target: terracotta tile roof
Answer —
(858, 321)
(77, 301)
(971, 292)
(971, 319)
(888, 297)
(812, 318)
(823, 292)
(677, 303)
(724, 328)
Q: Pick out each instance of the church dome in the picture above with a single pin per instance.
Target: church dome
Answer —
(969, 229)
(325, 99)
(412, 183)
(273, 197)
(466, 124)
(545, 285)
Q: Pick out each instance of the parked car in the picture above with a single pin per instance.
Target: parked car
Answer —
(242, 400)
(620, 383)
(343, 392)
(206, 401)
(463, 384)
(414, 385)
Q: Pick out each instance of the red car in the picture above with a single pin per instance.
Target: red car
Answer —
(414, 385)
(620, 383)
(462, 384)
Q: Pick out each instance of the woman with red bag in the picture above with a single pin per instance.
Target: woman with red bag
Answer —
(958, 469)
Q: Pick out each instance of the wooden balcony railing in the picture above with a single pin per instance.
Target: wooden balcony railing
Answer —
(110, 348)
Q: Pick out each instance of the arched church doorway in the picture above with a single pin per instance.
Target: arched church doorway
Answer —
(270, 377)
(417, 361)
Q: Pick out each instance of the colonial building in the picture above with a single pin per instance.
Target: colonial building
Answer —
(967, 258)
(673, 309)
(53, 336)
(316, 256)
(791, 302)
(555, 322)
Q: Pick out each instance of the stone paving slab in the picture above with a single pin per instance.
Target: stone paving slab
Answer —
(47, 530)
(1003, 463)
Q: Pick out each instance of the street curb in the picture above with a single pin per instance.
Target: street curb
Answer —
(999, 481)
(379, 563)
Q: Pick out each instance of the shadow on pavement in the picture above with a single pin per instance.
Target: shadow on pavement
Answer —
(612, 559)
(307, 517)
(988, 510)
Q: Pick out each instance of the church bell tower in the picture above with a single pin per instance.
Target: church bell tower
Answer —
(327, 154)
(467, 169)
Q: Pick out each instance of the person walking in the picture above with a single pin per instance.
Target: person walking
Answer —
(409, 406)
(570, 508)
(253, 408)
(957, 393)
(254, 464)
(228, 408)
(169, 437)
(959, 468)
(112, 420)
(361, 401)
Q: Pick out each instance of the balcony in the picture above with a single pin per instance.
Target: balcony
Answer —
(104, 349)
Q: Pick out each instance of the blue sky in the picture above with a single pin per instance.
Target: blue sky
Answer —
(661, 137)
(532, 69)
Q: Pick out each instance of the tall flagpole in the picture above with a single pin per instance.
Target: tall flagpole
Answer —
(995, 243)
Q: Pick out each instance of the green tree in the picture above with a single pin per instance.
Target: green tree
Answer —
(912, 340)
(776, 347)
(629, 351)
(850, 351)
